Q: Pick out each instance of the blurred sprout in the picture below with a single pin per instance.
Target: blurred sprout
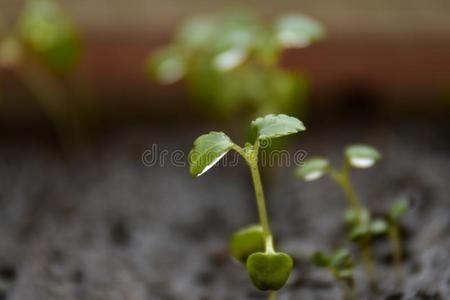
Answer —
(230, 62)
(362, 156)
(340, 264)
(46, 30)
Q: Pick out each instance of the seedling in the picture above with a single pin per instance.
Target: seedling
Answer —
(41, 48)
(340, 264)
(231, 62)
(358, 219)
(268, 269)
(396, 211)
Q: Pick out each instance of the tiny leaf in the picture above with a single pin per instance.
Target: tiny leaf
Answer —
(207, 151)
(397, 209)
(378, 226)
(362, 156)
(166, 65)
(342, 259)
(273, 126)
(320, 259)
(298, 31)
(312, 169)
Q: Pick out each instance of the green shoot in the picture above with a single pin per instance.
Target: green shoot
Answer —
(267, 268)
(396, 211)
(231, 62)
(358, 219)
(340, 265)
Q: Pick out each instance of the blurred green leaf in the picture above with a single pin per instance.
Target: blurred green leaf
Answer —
(362, 156)
(320, 259)
(397, 209)
(166, 65)
(312, 169)
(46, 29)
(207, 151)
(273, 126)
(342, 259)
(378, 226)
(298, 31)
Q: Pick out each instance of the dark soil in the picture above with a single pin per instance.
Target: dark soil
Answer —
(103, 226)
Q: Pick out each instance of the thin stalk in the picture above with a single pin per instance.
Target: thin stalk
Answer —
(343, 179)
(251, 156)
(394, 236)
(272, 295)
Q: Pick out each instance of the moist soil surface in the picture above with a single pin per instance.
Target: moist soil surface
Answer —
(99, 224)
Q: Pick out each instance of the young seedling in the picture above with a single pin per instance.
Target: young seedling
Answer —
(358, 219)
(41, 48)
(231, 62)
(268, 269)
(340, 264)
(395, 212)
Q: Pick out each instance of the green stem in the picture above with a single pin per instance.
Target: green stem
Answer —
(261, 203)
(394, 236)
(272, 295)
(367, 256)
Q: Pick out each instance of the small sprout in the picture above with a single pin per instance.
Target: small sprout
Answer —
(247, 241)
(312, 169)
(47, 31)
(167, 66)
(340, 264)
(208, 150)
(398, 209)
(362, 156)
(269, 271)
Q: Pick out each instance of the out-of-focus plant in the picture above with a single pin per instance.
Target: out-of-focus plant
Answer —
(252, 245)
(395, 212)
(42, 47)
(231, 62)
(360, 224)
(340, 264)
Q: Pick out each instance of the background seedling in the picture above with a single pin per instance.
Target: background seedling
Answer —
(395, 212)
(340, 264)
(42, 48)
(267, 269)
(357, 217)
(231, 62)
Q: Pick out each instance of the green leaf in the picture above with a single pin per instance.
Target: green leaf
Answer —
(207, 151)
(196, 33)
(312, 169)
(166, 65)
(359, 231)
(378, 226)
(320, 259)
(45, 28)
(362, 156)
(269, 271)
(342, 259)
(298, 31)
(397, 209)
(273, 126)
(247, 241)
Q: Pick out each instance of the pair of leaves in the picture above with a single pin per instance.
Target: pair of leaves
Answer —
(210, 148)
(358, 156)
(362, 225)
(340, 263)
